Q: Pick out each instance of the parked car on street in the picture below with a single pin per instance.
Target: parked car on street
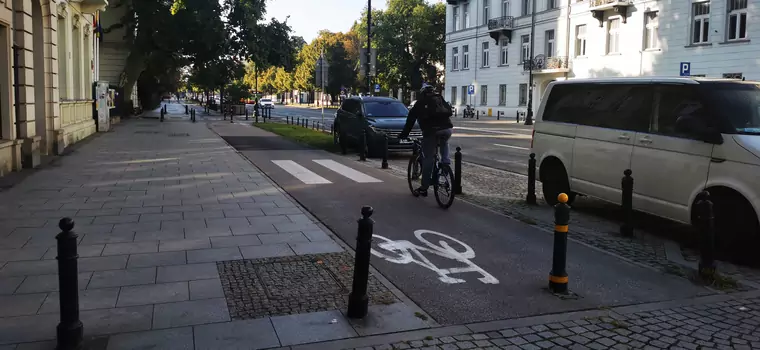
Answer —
(679, 136)
(266, 103)
(375, 116)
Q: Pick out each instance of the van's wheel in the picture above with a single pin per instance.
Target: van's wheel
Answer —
(554, 181)
(737, 230)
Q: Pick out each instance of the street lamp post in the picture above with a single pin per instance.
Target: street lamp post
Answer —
(529, 117)
(369, 46)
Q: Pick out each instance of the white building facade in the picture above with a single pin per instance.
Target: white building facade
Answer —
(488, 44)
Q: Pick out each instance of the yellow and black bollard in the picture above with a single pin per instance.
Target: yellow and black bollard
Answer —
(558, 275)
(706, 226)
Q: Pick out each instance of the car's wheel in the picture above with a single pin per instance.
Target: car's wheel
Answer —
(554, 181)
(737, 229)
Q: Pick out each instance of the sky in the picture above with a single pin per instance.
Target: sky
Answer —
(308, 17)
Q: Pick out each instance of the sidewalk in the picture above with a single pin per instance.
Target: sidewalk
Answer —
(183, 244)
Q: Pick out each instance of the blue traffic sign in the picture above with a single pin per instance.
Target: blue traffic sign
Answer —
(685, 70)
(471, 90)
(377, 87)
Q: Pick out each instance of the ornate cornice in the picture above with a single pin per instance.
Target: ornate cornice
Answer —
(62, 11)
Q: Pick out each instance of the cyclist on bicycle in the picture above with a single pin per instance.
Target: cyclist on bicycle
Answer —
(434, 116)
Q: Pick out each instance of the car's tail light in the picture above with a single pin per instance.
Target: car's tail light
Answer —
(532, 136)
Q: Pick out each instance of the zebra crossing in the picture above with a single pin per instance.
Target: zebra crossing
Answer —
(309, 177)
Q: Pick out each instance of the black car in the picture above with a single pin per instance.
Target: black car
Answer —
(375, 116)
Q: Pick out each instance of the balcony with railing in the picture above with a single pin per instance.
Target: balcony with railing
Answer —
(597, 8)
(500, 26)
(543, 64)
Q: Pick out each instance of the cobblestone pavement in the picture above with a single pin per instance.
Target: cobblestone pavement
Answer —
(593, 222)
(291, 285)
(725, 325)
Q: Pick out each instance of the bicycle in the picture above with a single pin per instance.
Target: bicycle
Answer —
(442, 175)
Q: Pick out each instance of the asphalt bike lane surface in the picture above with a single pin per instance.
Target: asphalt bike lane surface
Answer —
(461, 265)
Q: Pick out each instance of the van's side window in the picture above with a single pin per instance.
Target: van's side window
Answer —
(613, 106)
(673, 102)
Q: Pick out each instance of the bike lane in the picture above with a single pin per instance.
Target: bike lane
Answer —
(500, 272)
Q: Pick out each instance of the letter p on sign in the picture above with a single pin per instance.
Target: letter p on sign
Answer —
(685, 69)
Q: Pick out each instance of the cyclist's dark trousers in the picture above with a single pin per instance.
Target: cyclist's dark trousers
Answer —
(428, 147)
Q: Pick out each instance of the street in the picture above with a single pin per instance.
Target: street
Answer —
(463, 265)
(501, 144)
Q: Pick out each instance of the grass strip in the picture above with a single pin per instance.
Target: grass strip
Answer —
(313, 138)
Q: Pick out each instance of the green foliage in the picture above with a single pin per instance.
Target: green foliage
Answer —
(238, 91)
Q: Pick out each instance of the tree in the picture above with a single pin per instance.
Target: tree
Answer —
(409, 36)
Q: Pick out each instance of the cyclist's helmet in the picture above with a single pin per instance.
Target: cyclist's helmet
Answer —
(427, 88)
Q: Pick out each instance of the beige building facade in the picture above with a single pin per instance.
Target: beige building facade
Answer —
(46, 73)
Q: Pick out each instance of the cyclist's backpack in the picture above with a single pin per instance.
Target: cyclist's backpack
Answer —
(438, 108)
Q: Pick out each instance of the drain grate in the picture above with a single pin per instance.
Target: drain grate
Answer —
(180, 134)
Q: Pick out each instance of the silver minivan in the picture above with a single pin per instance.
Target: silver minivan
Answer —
(678, 136)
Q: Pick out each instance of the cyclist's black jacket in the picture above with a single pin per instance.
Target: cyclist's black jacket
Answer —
(429, 126)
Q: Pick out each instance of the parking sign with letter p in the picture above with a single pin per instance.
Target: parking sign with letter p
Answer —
(685, 69)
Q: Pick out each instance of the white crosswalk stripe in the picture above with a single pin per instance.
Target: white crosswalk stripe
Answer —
(310, 177)
(305, 175)
(346, 171)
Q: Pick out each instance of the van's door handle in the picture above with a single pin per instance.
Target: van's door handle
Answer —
(645, 140)
(624, 137)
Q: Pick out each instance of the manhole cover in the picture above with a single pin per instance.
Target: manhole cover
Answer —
(292, 285)
(147, 132)
(181, 134)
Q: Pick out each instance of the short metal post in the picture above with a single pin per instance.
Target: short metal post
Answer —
(477, 115)
(363, 146)
(458, 171)
(332, 129)
(298, 121)
(358, 301)
(384, 165)
(706, 222)
(517, 116)
(246, 113)
(186, 110)
(162, 115)
(531, 197)
(498, 115)
(70, 330)
(626, 229)
(558, 275)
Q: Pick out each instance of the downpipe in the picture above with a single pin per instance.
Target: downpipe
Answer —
(16, 89)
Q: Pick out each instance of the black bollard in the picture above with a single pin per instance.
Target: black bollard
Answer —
(246, 113)
(187, 111)
(517, 116)
(298, 121)
(70, 330)
(477, 115)
(358, 301)
(498, 115)
(706, 222)
(384, 165)
(626, 229)
(332, 129)
(363, 146)
(458, 171)
(531, 197)
(558, 275)
(162, 115)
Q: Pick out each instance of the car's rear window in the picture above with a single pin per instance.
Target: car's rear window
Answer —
(380, 109)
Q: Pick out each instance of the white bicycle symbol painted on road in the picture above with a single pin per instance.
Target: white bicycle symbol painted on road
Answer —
(405, 252)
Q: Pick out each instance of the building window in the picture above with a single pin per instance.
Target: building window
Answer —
(737, 19)
(505, 7)
(455, 58)
(523, 95)
(466, 13)
(453, 95)
(732, 75)
(549, 49)
(486, 11)
(551, 4)
(503, 95)
(580, 40)
(504, 52)
(525, 7)
(525, 40)
(483, 95)
(63, 57)
(455, 11)
(76, 58)
(700, 22)
(651, 28)
(613, 36)
(463, 98)
(485, 54)
(466, 57)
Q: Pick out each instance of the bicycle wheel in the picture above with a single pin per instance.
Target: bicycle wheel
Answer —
(442, 185)
(414, 173)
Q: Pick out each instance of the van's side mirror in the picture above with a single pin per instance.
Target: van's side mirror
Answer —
(695, 126)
